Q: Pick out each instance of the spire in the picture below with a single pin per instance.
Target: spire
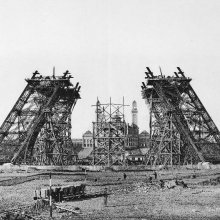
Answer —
(54, 73)
(134, 112)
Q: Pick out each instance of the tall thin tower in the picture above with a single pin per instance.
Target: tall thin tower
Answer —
(134, 112)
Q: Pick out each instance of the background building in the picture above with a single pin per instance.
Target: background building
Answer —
(133, 130)
(136, 144)
(77, 142)
(134, 112)
(132, 136)
(87, 139)
(135, 140)
(144, 139)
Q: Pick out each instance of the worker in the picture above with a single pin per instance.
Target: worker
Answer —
(184, 185)
(176, 181)
(105, 197)
(161, 184)
(125, 176)
(35, 195)
(155, 175)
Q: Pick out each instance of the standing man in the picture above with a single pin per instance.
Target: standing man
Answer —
(105, 197)
(125, 176)
(155, 175)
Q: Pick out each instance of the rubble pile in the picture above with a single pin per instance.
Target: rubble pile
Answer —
(10, 168)
(212, 181)
(144, 187)
(14, 216)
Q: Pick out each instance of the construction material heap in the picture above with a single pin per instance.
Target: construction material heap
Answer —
(181, 129)
(38, 128)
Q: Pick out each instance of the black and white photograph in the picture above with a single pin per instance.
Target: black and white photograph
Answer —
(109, 109)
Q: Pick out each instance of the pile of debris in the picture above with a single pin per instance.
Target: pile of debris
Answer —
(172, 184)
(10, 168)
(144, 187)
(15, 215)
(212, 181)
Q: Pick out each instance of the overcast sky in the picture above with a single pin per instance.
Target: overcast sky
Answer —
(106, 45)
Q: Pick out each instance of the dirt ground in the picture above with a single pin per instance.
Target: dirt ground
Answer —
(133, 198)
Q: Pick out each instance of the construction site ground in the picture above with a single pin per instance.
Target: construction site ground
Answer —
(136, 197)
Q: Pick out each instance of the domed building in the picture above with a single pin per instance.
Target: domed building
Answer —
(87, 139)
(136, 144)
(84, 147)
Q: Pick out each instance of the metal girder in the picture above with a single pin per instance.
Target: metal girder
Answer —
(194, 135)
(38, 128)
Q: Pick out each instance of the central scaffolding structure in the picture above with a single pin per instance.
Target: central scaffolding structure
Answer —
(109, 134)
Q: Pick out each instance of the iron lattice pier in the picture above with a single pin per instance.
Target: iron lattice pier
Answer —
(38, 128)
(109, 134)
(181, 129)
